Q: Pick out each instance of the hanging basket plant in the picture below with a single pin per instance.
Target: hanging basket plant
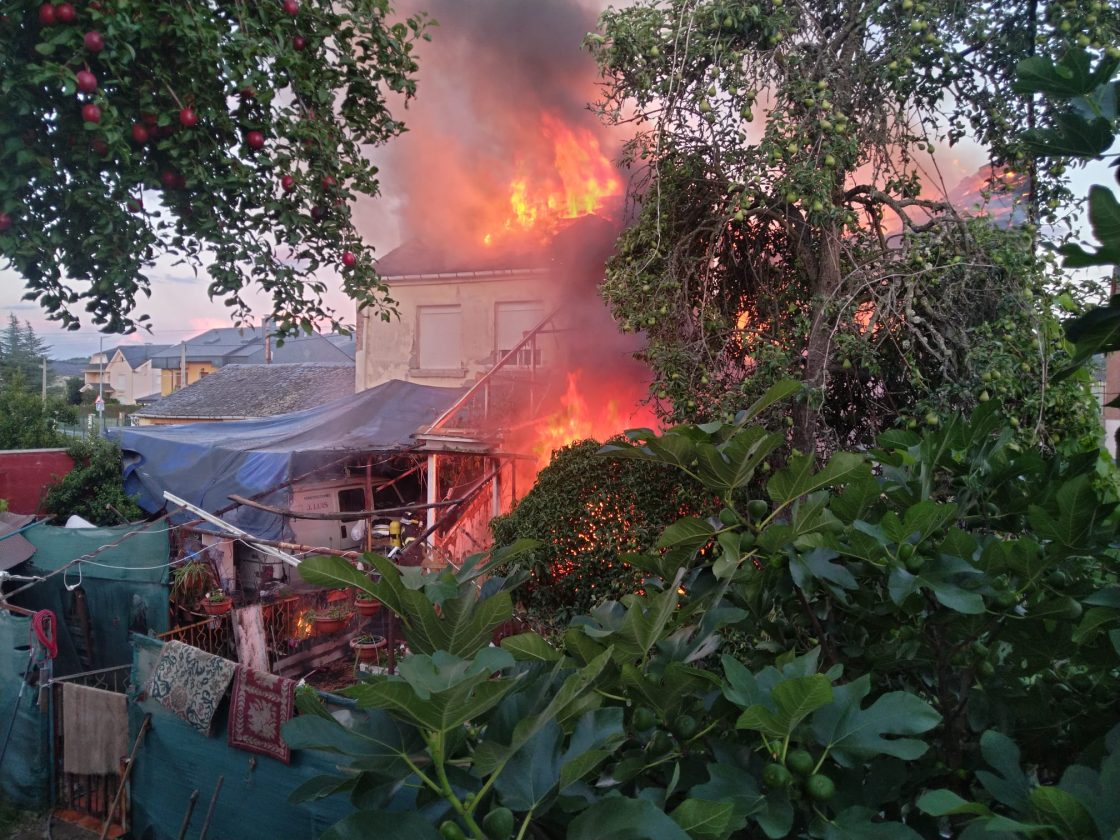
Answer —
(367, 647)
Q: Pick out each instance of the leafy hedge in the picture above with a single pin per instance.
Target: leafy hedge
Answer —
(588, 513)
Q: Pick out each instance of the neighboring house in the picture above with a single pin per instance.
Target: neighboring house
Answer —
(242, 392)
(96, 374)
(131, 374)
(186, 363)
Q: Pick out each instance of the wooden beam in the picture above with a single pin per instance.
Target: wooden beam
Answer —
(348, 516)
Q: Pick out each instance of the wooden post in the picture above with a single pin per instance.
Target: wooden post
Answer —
(44, 379)
(433, 495)
(250, 637)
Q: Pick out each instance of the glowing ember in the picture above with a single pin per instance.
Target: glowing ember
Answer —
(577, 181)
(598, 410)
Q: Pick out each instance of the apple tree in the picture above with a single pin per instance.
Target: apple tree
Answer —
(792, 221)
(226, 134)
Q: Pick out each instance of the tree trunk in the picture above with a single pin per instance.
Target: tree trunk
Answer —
(807, 414)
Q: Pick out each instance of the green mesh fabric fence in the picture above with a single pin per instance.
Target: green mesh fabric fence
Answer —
(121, 590)
(25, 767)
(176, 759)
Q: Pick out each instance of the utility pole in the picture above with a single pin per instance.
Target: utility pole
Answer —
(44, 380)
(100, 404)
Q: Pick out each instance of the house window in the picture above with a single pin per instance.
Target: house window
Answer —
(440, 338)
(513, 321)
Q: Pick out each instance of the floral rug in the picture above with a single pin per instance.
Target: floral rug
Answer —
(190, 683)
(259, 706)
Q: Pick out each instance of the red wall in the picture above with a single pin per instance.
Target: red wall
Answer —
(25, 473)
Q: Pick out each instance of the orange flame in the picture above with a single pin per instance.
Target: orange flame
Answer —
(585, 414)
(577, 181)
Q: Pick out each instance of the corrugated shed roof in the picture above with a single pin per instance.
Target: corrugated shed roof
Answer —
(244, 391)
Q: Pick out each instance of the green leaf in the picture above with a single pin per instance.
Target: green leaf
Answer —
(335, 573)
(854, 734)
(1010, 786)
(558, 708)
(1073, 76)
(624, 819)
(1072, 136)
(384, 825)
(320, 787)
(690, 533)
(530, 647)
(1062, 810)
(732, 464)
(442, 711)
(703, 818)
(780, 390)
(440, 671)
(793, 701)
(941, 803)
(798, 479)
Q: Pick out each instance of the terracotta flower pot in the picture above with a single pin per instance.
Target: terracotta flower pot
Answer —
(217, 607)
(367, 608)
(337, 596)
(326, 626)
(367, 651)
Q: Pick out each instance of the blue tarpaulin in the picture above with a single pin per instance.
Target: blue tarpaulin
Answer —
(205, 463)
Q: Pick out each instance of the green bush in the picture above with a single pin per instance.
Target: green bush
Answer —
(588, 514)
(94, 489)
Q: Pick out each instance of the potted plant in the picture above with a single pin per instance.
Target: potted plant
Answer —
(216, 602)
(331, 619)
(366, 604)
(367, 647)
(191, 581)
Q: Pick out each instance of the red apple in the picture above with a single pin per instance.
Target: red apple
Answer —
(47, 15)
(290, 7)
(287, 183)
(99, 146)
(348, 259)
(298, 43)
(135, 205)
(150, 120)
(87, 82)
(328, 182)
(180, 181)
(169, 179)
(5, 222)
(94, 42)
(188, 118)
(318, 213)
(64, 13)
(247, 93)
(140, 133)
(91, 113)
(254, 140)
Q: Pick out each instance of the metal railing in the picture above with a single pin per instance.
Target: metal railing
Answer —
(87, 795)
